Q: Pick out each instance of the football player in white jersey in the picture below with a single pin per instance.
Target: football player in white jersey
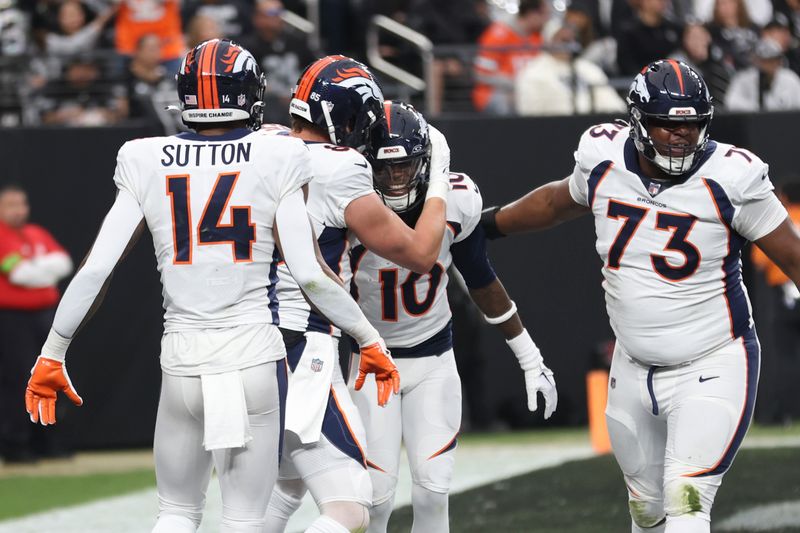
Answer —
(324, 435)
(672, 211)
(411, 311)
(214, 201)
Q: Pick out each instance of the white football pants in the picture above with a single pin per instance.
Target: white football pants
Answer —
(676, 430)
(183, 466)
(426, 416)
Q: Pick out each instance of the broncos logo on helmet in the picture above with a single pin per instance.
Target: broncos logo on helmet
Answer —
(219, 81)
(342, 96)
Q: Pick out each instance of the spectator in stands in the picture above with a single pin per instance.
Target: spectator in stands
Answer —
(503, 49)
(202, 28)
(779, 30)
(790, 9)
(732, 30)
(601, 51)
(282, 54)
(233, 16)
(447, 23)
(149, 87)
(556, 82)
(31, 264)
(650, 36)
(768, 85)
(75, 35)
(759, 11)
(82, 97)
(699, 52)
(137, 18)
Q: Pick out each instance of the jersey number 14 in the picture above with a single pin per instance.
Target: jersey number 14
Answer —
(240, 233)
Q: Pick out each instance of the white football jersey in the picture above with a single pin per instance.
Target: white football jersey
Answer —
(671, 251)
(409, 310)
(210, 205)
(341, 175)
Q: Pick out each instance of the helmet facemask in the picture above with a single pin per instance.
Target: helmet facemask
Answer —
(674, 159)
(401, 182)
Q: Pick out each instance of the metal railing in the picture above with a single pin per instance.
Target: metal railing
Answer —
(423, 46)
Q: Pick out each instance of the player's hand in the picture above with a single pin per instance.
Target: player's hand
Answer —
(440, 165)
(541, 380)
(48, 376)
(376, 359)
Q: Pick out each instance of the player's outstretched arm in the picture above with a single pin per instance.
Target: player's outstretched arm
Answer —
(83, 296)
(500, 311)
(384, 233)
(331, 299)
(782, 245)
(540, 209)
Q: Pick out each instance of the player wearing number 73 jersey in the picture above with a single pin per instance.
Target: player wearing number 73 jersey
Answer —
(214, 201)
(672, 211)
(412, 313)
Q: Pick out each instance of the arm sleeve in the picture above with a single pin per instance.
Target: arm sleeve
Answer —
(472, 261)
(114, 236)
(332, 300)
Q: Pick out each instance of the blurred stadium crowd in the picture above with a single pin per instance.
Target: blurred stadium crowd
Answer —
(95, 62)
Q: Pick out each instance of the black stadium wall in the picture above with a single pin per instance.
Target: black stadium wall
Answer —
(553, 276)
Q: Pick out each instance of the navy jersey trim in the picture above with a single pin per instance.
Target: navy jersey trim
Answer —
(598, 173)
(472, 261)
(232, 135)
(735, 297)
(332, 244)
(436, 345)
(283, 390)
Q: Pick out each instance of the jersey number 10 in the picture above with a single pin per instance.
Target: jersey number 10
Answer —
(240, 233)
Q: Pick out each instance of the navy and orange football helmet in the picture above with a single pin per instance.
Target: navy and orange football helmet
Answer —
(669, 91)
(219, 81)
(400, 155)
(342, 96)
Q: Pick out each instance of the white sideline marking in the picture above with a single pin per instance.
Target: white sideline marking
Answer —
(764, 518)
(476, 465)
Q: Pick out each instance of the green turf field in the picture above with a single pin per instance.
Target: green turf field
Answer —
(589, 496)
(22, 495)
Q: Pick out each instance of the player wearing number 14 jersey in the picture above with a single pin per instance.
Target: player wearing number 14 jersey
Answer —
(412, 313)
(672, 211)
(215, 200)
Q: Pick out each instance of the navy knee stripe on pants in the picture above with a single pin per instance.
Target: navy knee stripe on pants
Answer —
(283, 387)
(753, 362)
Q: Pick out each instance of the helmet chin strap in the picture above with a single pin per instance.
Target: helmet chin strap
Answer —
(328, 121)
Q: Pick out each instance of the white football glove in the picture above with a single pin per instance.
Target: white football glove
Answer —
(541, 380)
(538, 378)
(440, 166)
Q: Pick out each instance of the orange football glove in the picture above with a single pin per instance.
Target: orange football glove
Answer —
(48, 376)
(376, 359)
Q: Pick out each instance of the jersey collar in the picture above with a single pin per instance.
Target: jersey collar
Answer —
(232, 135)
(655, 187)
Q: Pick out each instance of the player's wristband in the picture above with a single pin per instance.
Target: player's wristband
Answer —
(55, 347)
(525, 349)
(9, 262)
(437, 189)
(489, 223)
(364, 333)
(502, 318)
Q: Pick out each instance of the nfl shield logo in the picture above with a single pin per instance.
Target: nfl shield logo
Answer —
(241, 100)
(316, 365)
(653, 188)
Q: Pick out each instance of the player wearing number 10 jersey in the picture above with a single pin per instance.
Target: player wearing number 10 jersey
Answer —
(214, 201)
(412, 313)
(672, 211)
